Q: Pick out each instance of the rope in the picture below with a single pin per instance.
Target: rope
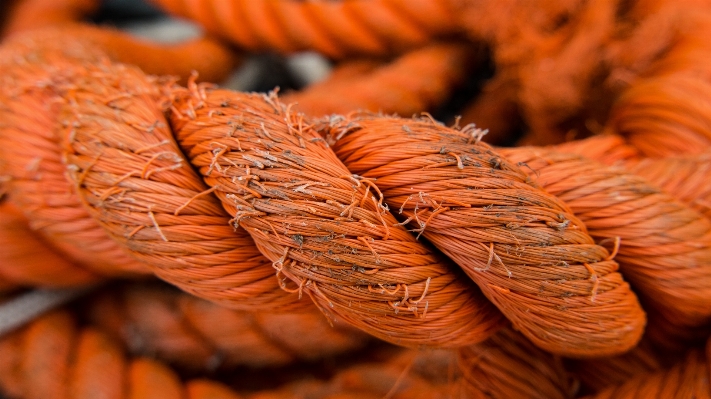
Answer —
(54, 358)
(686, 379)
(524, 248)
(419, 80)
(510, 366)
(324, 228)
(334, 28)
(663, 247)
(196, 335)
(329, 231)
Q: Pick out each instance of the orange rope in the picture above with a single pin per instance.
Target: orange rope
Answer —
(664, 246)
(52, 358)
(526, 250)
(509, 366)
(334, 28)
(197, 335)
(417, 81)
(320, 225)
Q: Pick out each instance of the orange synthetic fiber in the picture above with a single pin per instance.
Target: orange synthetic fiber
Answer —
(334, 28)
(494, 109)
(408, 375)
(183, 236)
(508, 365)
(666, 116)
(120, 154)
(197, 335)
(52, 358)
(597, 374)
(324, 228)
(524, 247)
(663, 246)
(685, 178)
(607, 149)
(687, 379)
(27, 261)
(32, 14)
(418, 81)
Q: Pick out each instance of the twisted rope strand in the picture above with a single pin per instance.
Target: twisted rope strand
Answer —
(664, 246)
(324, 228)
(418, 81)
(525, 249)
(197, 335)
(334, 28)
(52, 358)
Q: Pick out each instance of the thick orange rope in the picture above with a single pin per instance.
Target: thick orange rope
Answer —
(52, 358)
(25, 260)
(334, 28)
(417, 81)
(663, 247)
(526, 250)
(509, 366)
(197, 335)
(687, 379)
(324, 228)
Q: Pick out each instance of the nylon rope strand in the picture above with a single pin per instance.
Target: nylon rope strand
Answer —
(663, 246)
(419, 80)
(324, 228)
(45, 75)
(524, 247)
(196, 335)
(333, 28)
